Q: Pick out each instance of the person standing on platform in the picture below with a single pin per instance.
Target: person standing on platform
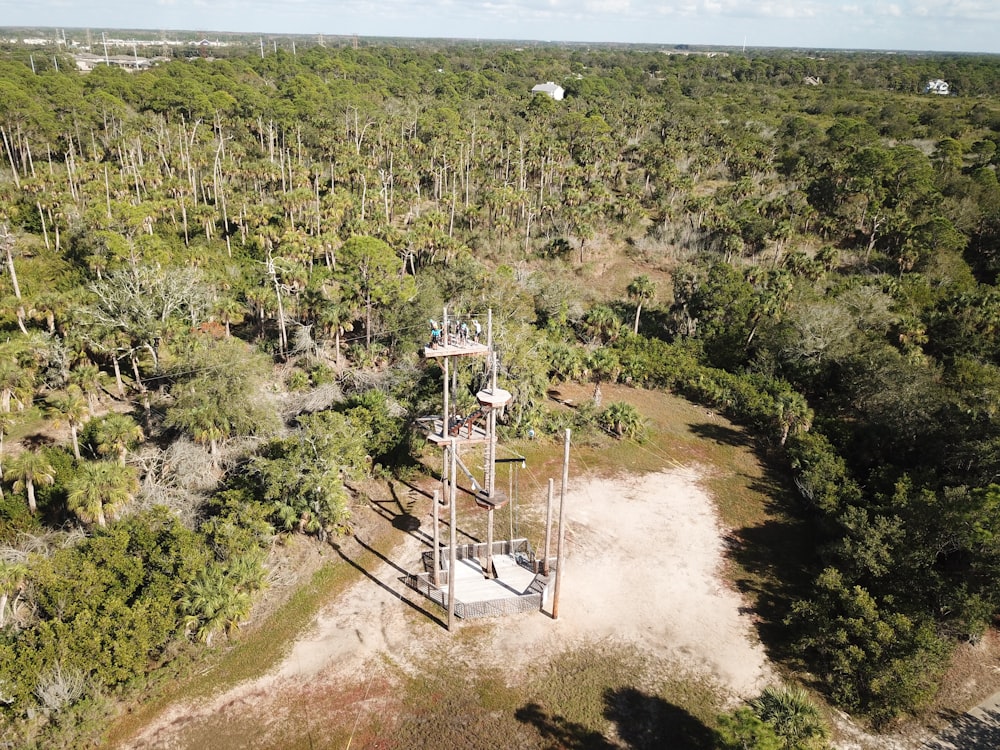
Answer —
(435, 333)
(477, 330)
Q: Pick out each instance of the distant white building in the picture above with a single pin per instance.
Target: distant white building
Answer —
(937, 86)
(86, 62)
(550, 89)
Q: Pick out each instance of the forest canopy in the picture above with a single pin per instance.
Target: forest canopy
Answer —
(217, 274)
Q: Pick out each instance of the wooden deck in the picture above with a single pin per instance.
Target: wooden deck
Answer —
(470, 585)
(433, 426)
(456, 349)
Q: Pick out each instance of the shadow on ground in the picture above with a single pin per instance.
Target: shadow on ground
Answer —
(721, 434)
(776, 558)
(968, 732)
(642, 722)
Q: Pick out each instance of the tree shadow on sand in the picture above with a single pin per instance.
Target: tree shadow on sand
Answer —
(968, 732)
(642, 722)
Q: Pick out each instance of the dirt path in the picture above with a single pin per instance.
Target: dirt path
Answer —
(644, 556)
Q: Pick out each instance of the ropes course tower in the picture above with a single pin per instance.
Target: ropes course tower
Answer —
(493, 578)
(477, 429)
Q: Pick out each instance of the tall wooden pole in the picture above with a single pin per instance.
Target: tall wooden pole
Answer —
(488, 562)
(548, 531)
(510, 499)
(435, 576)
(562, 530)
(445, 421)
(491, 450)
(444, 340)
(453, 553)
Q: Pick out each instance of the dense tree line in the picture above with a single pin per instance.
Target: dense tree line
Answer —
(818, 261)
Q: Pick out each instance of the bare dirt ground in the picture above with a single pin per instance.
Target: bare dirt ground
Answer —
(643, 569)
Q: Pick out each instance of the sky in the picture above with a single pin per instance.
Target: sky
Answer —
(920, 25)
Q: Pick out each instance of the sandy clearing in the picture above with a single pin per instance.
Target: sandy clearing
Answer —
(643, 567)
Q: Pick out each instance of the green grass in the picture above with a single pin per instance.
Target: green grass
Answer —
(580, 698)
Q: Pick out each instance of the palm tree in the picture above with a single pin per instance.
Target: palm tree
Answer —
(602, 324)
(17, 382)
(208, 425)
(71, 407)
(89, 379)
(11, 580)
(792, 413)
(792, 716)
(6, 422)
(116, 434)
(214, 602)
(229, 310)
(641, 290)
(28, 469)
(101, 489)
(624, 420)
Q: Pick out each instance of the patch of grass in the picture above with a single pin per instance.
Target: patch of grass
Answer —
(618, 692)
(594, 696)
(444, 705)
(27, 422)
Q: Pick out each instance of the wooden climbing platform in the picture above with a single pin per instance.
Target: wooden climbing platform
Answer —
(456, 349)
(498, 500)
(474, 434)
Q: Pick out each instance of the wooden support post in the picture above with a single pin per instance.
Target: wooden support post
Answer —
(445, 418)
(510, 499)
(548, 531)
(562, 530)
(453, 553)
(435, 575)
(488, 562)
(491, 451)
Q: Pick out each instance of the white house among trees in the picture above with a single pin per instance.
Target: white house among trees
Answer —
(937, 86)
(550, 89)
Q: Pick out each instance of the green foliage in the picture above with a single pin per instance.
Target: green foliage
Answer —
(219, 597)
(793, 717)
(873, 657)
(100, 490)
(370, 277)
(381, 431)
(302, 476)
(105, 609)
(216, 396)
(822, 475)
(744, 730)
(623, 420)
(236, 524)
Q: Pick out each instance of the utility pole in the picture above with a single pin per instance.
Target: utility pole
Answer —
(453, 552)
(562, 530)
(436, 565)
(548, 531)
(491, 449)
